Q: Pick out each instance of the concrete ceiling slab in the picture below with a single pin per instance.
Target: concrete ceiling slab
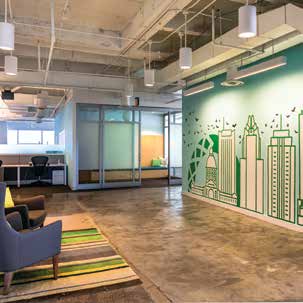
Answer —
(101, 14)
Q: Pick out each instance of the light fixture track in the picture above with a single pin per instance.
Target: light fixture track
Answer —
(199, 88)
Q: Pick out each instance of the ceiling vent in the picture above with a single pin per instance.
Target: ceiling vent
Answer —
(230, 81)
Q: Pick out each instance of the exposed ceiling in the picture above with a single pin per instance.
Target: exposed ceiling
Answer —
(98, 15)
(101, 33)
(96, 41)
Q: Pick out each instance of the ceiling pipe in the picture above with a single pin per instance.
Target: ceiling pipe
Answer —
(15, 89)
(183, 24)
(134, 40)
(203, 14)
(163, 14)
(10, 10)
(53, 40)
(64, 87)
(63, 101)
(39, 56)
(65, 8)
(71, 31)
(78, 73)
(221, 44)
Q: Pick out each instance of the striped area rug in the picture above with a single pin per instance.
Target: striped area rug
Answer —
(84, 251)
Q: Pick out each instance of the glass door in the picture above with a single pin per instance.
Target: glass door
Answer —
(121, 148)
(88, 135)
(174, 147)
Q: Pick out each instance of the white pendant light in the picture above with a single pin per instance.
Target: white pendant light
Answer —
(185, 58)
(125, 101)
(185, 53)
(7, 36)
(7, 33)
(129, 89)
(10, 65)
(149, 77)
(149, 73)
(247, 21)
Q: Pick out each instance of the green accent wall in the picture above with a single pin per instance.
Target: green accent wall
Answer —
(269, 183)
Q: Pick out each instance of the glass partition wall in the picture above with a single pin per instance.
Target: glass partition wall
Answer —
(89, 128)
(173, 146)
(108, 145)
(121, 147)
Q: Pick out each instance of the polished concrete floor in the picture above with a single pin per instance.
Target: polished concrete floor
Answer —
(189, 251)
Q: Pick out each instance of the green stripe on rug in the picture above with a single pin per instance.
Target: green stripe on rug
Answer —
(83, 232)
(82, 239)
(66, 271)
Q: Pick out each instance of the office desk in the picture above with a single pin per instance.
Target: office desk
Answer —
(19, 166)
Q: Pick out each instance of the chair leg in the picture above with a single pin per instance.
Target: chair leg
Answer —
(55, 266)
(8, 277)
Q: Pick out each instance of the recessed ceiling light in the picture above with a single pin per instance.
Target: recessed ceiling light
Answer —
(231, 83)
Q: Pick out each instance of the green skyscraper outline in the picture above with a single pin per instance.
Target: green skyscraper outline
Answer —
(252, 126)
(300, 198)
(233, 138)
(279, 170)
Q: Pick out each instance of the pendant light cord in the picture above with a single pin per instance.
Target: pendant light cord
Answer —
(185, 29)
(5, 17)
(181, 40)
(128, 69)
(149, 54)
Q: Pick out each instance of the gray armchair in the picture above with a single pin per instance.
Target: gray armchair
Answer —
(18, 250)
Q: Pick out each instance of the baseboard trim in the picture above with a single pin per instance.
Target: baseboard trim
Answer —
(248, 213)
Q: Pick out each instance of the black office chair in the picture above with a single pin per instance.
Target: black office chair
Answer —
(1, 171)
(39, 164)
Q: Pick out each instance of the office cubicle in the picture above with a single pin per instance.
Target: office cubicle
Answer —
(23, 139)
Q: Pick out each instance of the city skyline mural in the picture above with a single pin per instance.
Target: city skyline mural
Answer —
(262, 183)
(243, 146)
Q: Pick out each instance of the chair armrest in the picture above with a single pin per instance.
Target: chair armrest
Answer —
(33, 203)
(40, 244)
(23, 211)
(15, 220)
